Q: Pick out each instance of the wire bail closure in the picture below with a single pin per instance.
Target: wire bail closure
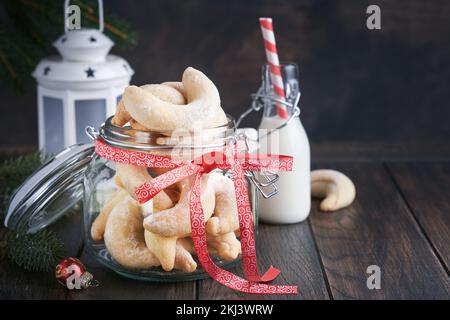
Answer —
(92, 133)
(267, 186)
(260, 98)
(265, 181)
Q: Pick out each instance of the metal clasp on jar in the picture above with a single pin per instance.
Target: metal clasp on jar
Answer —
(265, 181)
(91, 132)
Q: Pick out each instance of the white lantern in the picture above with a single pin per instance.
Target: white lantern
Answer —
(79, 88)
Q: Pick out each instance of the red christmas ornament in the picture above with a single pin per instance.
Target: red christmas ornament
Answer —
(72, 274)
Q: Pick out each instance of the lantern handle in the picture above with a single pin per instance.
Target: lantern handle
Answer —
(100, 15)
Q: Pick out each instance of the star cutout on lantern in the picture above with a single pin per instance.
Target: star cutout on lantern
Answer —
(92, 39)
(46, 70)
(90, 72)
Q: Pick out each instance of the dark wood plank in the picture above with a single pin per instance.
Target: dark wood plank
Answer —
(289, 248)
(114, 286)
(425, 189)
(16, 283)
(376, 151)
(377, 229)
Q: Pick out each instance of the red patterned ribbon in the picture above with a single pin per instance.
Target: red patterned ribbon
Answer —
(182, 169)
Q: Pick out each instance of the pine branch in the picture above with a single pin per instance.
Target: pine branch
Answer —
(18, 57)
(115, 27)
(31, 27)
(38, 252)
(13, 173)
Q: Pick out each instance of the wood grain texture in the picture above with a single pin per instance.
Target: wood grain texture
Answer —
(425, 187)
(16, 283)
(114, 286)
(399, 221)
(289, 248)
(378, 151)
(377, 229)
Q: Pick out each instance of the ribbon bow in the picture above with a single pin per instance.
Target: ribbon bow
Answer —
(237, 163)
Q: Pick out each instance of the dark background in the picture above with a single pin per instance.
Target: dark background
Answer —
(358, 85)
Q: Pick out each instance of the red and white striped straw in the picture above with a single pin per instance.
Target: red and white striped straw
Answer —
(274, 64)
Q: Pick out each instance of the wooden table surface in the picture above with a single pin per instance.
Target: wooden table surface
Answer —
(400, 221)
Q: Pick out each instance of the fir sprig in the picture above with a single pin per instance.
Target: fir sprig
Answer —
(13, 173)
(35, 252)
(31, 26)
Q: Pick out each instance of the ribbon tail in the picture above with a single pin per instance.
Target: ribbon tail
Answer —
(224, 277)
(151, 188)
(246, 223)
(270, 274)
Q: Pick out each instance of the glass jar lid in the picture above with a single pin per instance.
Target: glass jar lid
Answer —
(50, 191)
(165, 141)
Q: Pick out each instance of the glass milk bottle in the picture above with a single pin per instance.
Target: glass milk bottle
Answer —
(286, 136)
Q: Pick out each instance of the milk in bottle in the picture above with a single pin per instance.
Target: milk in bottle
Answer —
(293, 201)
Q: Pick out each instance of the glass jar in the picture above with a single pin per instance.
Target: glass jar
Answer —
(78, 173)
(99, 185)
